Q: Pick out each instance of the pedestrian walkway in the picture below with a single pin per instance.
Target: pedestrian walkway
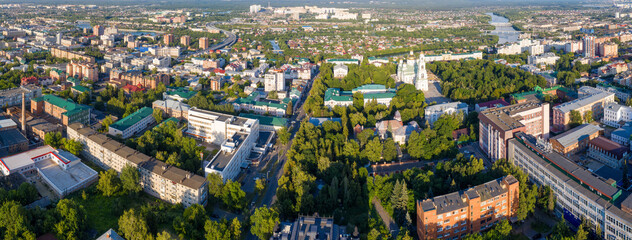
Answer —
(388, 221)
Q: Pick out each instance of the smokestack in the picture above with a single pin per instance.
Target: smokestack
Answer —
(23, 120)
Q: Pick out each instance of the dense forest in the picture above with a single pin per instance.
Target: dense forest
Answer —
(477, 81)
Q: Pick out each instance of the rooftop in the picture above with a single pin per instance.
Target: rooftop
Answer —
(132, 119)
(266, 120)
(68, 105)
(576, 134)
(609, 146)
(583, 101)
(507, 118)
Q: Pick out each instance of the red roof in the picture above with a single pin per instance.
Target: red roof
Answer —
(217, 70)
(133, 88)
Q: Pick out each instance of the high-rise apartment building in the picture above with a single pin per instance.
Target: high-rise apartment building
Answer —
(83, 71)
(168, 39)
(98, 30)
(203, 42)
(185, 40)
(589, 46)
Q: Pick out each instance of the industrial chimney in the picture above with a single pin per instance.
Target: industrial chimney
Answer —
(23, 119)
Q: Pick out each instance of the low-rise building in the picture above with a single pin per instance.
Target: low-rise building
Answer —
(157, 178)
(432, 113)
(457, 214)
(63, 110)
(340, 71)
(310, 228)
(607, 152)
(544, 59)
(491, 104)
(172, 108)
(623, 135)
(133, 123)
(576, 139)
(63, 172)
(379, 93)
(615, 115)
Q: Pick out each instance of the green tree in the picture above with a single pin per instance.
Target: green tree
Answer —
(273, 95)
(157, 114)
(109, 183)
(588, 116)
(133, 226)
(358, 100)
(53, 139)
(284, 135)
(373, 150)
(263, 221)
(14, 223)
(290, 108)
(130, 179)
(72, 219)
(575, 119)
(164, 235)
(72, 146)
(260, 185)
(105, 124)
(215, 184)
(390, 150)
(232, 195)
(191, 224)
(501, 231)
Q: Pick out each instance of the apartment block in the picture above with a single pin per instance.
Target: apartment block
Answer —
(83, 70)
(185, 40)
(498, 125)
(275, 81)
(168, 39)
(203, 43)
(66, 54)
(121, 78)
(157, 178)
(61, 109)
(236, 137)
(591, 99)
(454, 215)
(579, 193)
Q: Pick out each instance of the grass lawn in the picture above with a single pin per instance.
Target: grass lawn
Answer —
(103, 212)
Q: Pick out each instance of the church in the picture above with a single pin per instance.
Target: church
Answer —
(413, 71)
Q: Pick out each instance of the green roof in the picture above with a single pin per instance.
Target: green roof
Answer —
(266, 120)
(538, 92)
(73, 80)
(81, 88)
(251, 100)
(336, 94)
(181, 92)
(70, 107)
(132, 119)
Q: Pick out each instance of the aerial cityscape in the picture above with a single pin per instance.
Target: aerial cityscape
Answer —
(315, 120)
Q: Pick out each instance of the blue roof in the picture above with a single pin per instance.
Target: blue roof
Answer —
(320, 121)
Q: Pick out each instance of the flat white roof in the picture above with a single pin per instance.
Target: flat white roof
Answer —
(25, 158)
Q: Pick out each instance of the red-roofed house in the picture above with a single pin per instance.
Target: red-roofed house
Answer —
(133, 88)
(29, 80)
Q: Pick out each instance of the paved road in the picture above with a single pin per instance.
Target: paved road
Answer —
(386, 218)
(434, 93)
(230, 39)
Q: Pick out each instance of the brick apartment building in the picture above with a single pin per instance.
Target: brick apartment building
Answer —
(498, 125)
(454, 215)
(136, 78)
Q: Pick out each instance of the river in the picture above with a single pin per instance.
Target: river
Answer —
(505, 32)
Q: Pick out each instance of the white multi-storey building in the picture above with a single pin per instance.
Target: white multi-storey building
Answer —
(614, 114)
(579, 193)
(546, 59)
(132, 124)
(413, 71)
(237, 137)
(275, 81)
(432, 113)
(157, 178)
